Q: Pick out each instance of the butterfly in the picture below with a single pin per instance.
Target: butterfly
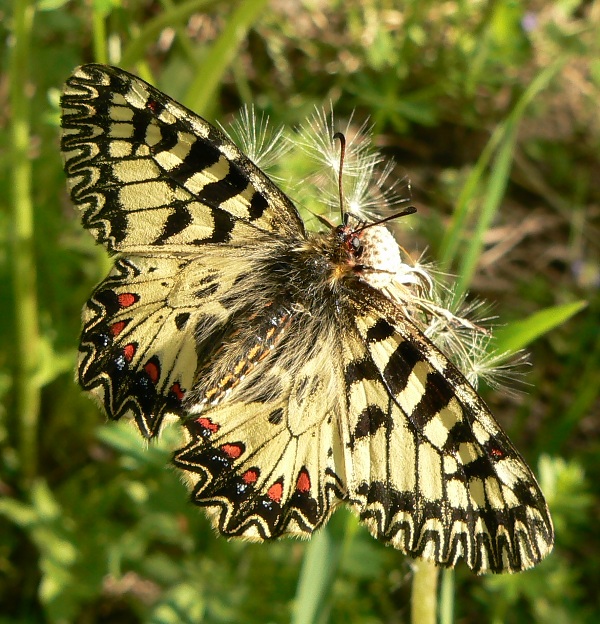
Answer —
(298, 379)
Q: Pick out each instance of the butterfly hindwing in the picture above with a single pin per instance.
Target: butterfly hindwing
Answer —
(429, 469)
(147, 172)
(136, 354)
(267, 468)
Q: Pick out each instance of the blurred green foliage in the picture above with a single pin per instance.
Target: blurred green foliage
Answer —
(94, 527)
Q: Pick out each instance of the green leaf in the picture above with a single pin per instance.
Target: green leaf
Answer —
(18, 513)
(182, 605)
(519, 334)
(123, 438)
(316, 577)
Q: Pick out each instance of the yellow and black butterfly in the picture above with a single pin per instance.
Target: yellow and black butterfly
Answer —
(298, 380)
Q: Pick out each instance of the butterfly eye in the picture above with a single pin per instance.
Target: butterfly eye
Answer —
(356, 246)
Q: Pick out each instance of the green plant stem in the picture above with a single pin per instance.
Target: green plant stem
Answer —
(201, 92)
(423, 599)
(170, 18)
(317, 574)
(99, 33)
(447, 597)
(27, 391)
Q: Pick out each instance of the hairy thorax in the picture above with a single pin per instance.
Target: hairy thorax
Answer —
(286, 306)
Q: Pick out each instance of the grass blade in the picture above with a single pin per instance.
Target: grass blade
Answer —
(499, 151)
(316, 577)
(209, 75)
(27, 391)
(519, 334)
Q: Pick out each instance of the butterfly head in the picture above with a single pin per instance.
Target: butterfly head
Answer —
(349, 240)
(371, 253)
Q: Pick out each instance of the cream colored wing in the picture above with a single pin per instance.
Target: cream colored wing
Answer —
(144, 328)
(271, 467)
(168, 191)
(147, 172)
(428, 468)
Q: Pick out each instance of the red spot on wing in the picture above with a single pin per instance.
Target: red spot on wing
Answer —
(497, 453)
(129, 351)
(303, 483)
(152, 105)
(153, 371)
(177, 391)
(250, 476)
(207, 423)
(127, 299)
(232, 450)
(275, 492)
(117, 328)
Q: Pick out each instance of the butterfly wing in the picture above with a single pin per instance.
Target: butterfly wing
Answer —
(363, 409)
(142, 334)
(272, 466)
(157, 183)
(429, 470)
(146, 171)
(378, 417)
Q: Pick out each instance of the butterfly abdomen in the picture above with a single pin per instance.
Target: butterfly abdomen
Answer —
(246, 346)
(278, 307)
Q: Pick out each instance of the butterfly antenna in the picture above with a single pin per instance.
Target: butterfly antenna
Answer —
(403, 213)
(342, 139)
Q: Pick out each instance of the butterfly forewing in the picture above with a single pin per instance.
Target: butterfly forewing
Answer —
(297, 385)
(447, 482)
(146, 171)
(151, 176)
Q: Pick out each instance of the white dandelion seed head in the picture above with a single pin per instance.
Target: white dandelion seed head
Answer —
(371, 188)
(459, 327)
(370, 191)
(315, 138)
(264, 144)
